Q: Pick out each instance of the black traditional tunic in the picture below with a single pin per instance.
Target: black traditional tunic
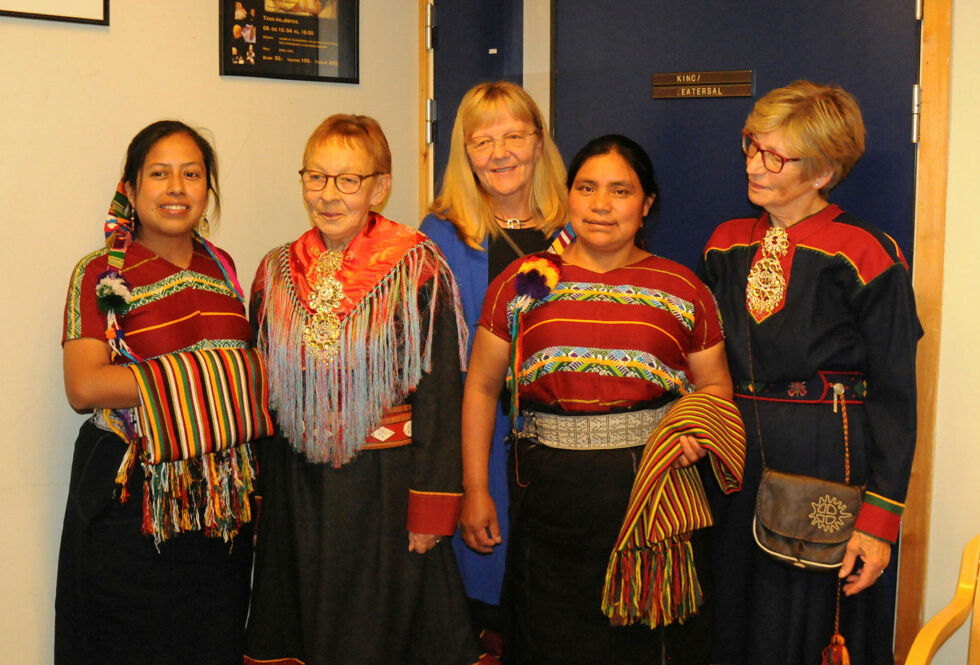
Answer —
(848, 313)
(334, 581)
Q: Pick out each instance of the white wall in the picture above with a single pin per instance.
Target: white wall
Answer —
(956, 481)
(71, 97)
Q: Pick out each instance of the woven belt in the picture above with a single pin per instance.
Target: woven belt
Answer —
(593, 432)
(395, 430)
(818, 389)
(114, 420)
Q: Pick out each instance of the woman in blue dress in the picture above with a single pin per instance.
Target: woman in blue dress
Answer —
(503, 196)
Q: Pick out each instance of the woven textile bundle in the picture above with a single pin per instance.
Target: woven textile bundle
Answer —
(651, 577)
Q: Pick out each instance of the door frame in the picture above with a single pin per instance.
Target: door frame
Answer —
(426, 89)
(927, 279)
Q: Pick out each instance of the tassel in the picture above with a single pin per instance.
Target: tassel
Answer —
(122, 475)
(654, 585)
(836, 652)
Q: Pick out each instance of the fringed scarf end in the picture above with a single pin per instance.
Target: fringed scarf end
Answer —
(327, 408)
(208, 494)
(654, 585)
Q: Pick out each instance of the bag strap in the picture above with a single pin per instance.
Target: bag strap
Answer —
(513, 245)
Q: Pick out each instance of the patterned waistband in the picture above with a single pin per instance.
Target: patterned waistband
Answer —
(117, 421)
(593, 432)
(395, 430)
(826, 387)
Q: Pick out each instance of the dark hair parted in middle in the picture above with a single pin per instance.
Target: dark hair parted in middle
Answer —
(628, 149)
(147, 137)
(635, 156)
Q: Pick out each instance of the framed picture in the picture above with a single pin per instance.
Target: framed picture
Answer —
(310, 40)
(74, 11)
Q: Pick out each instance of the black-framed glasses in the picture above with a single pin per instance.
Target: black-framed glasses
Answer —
(481, 145)
(773, 161)
(346, 183)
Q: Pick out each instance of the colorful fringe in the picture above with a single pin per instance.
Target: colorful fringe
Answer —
(535, 279)
(651, 577)
(326, 409)
(208, 494)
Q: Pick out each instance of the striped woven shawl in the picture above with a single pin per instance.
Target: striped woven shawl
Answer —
(198, 411)
(651, 577)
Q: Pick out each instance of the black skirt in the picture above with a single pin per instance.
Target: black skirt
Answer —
(119, 599)
(567, 510)
(334, 580)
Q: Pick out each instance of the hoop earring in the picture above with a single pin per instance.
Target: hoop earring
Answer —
(204, 227)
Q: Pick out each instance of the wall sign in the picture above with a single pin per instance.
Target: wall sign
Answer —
(313, 40)
(693, 85)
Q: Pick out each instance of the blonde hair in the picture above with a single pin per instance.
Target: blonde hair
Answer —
(355, 130)
(462, 199)
(821, 125)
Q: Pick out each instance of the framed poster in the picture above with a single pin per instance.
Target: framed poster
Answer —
(311, 40)
(74, 11)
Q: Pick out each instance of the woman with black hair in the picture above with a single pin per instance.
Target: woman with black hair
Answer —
(596, 347)
(157, 539)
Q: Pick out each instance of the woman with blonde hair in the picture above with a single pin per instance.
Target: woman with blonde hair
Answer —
(821, 333)
(503, 195)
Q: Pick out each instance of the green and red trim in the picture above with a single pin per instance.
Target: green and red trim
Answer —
(880, 517)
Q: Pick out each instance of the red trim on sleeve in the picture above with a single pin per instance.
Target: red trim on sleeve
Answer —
(878, 522)
(433, 513)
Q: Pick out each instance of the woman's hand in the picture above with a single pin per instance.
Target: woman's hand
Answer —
(875, 554)
(478, 522)
(421, 542)
(484, 381)
(691, 452)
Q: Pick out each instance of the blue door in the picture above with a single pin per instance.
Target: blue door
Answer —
(474, 41)
(606, 53)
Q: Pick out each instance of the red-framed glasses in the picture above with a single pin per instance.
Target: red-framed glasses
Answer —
(773, 161)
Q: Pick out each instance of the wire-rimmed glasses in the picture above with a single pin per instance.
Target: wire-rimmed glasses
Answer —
(346, 183)
(481, 145)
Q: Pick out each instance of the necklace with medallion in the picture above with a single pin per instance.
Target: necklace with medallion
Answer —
(322, 331)
(767, 284)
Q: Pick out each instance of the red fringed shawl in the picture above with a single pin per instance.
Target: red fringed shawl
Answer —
(326, 407)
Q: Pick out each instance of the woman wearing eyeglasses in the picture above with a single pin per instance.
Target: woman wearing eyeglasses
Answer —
(361, 486)
(816, 303)
(503, 195)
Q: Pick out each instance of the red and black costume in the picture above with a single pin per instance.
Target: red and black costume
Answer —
(847, 316)
(348, 474)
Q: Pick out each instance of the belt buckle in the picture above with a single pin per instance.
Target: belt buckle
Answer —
(530, 428)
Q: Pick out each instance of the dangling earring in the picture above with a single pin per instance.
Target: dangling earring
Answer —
(203, 227)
